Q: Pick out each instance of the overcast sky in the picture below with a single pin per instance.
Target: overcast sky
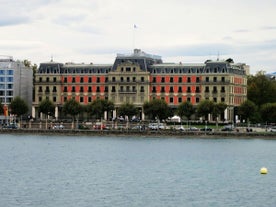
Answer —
(188, 31)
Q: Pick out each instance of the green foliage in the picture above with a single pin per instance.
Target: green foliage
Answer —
(268, 112)
(186, 109)
(248, 111)
(72, 107)
(260, 89)
(46, 107)
(99, 106)
(157, 108)
(127, 109)
(218, 108)
(204, 108)
(19, 106)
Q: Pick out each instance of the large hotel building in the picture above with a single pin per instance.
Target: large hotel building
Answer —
(141, 77)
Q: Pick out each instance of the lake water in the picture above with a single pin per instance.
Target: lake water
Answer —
(67, 171)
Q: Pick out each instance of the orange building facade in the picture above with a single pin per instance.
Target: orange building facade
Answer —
(141, 77)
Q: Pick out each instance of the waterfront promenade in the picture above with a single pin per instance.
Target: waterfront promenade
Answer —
(149, 133)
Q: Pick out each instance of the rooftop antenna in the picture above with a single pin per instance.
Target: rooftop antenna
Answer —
(218, 56)
(51, 58)
(134, 31)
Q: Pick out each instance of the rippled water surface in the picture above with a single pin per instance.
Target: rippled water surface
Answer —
(135, 171)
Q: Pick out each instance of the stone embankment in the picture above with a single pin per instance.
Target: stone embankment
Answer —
(166, 133)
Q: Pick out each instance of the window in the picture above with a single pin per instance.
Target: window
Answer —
(106, 79)
(197, 79)
(40, 79)
(207, 79)
(89, 89)
(134, 79)
(98, 79)
(222, 79)
(113, 79)
(47, 79)
(81, 89)
(98, 89)
(40, 89)
(128, 69)
(154, 79)
(81, 99)
(64, 99)
(180, 80)
(142, 89)
(122, 69)
(122, 79)
(47, 89)
(222, 99)
(179, 89)
(171, 99)
(55, 79)
(207, 89)
(106, 89)
(215, 79)
(153, 89)
(142, 79)
(39, 98)
(113, 89)
(54, 99)
(215, 89)
(73, 80)
(81, 79)
(89, 99)
(162, 79)
(222, 89)
(128, 79)
(89, 79)
(54, 89)
(197, 90)
(134, 69)
(171, 79)
(171, 89)
(188, 89)
(179, 99)
(197, 100)
(215, 99)
(73, 89)
(65, 89)
(189, 79)
(163, 89)
(189, 99)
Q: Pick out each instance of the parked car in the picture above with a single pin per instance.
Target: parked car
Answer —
(10, 126)
(228, 128)
(60, 126)
(206, 129)
(155, 126)
(181, 128)
(194, 129)
(273, 129)
(99, 126)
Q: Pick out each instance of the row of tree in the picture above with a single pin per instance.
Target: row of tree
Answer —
(261, 99)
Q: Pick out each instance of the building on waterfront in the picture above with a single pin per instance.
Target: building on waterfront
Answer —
(15, 80)
(141, 77)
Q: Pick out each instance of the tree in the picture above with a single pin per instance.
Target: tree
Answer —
(268, 112)
(19, 107)
(186, 109)
(73, 108)
(127, 109)
(247, 110)
(47, 107)
(204, 108)
(157, 108)
(218, 109)
(261, 89)
(99, 106)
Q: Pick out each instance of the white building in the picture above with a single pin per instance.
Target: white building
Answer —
(15, 80)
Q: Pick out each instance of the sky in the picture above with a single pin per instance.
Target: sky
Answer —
(95, 31)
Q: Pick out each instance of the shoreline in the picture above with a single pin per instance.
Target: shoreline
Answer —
(164, 133)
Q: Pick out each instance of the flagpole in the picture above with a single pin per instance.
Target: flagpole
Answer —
(134, 36)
